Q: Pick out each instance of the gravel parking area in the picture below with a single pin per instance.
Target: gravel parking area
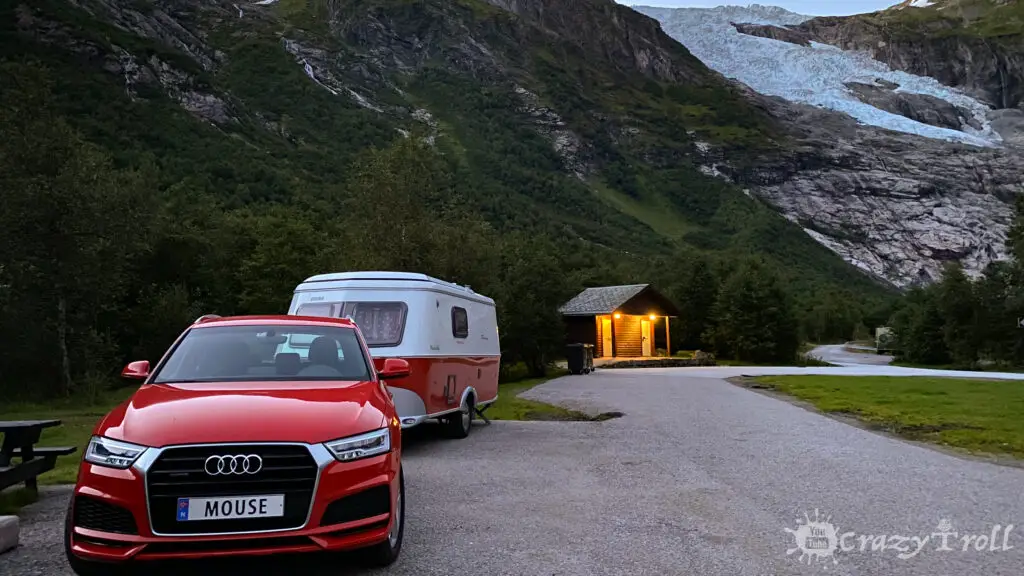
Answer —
(699, 477)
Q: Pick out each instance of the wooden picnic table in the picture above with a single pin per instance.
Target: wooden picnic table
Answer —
(20, 438)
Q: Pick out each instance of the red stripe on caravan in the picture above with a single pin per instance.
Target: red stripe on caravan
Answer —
(441, 380)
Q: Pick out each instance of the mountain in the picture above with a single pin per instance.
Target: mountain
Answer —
(580, 121)
(896, 171)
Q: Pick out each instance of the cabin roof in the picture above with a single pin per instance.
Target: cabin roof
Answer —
(608, 299)
(601, 300)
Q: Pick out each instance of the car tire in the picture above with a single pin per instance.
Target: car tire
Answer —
(460, 423)
(385, 553)
(83, 567)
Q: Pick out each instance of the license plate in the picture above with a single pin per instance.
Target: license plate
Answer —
(232, 507)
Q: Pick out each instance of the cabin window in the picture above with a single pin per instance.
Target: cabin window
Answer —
(460, 322)
(382, 323)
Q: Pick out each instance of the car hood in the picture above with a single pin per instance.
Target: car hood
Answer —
(165, 414)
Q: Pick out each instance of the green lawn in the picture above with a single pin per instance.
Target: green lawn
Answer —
(510, 407)
(78, 418)
(975, 415)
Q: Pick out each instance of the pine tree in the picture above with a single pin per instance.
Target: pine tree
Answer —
(754, 317)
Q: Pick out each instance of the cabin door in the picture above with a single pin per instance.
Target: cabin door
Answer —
(645, 335)
(606, 337)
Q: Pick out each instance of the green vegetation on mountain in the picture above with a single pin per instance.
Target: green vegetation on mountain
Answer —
(163, 159)
(978, 18)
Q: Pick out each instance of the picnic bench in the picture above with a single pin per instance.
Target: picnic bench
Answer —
(20, 437)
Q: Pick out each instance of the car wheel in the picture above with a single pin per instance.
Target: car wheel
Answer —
(84, 567)
(385, 553)
(460, 423)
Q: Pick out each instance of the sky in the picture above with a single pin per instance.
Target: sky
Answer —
(808, 7)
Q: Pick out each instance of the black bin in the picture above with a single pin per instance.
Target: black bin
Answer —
(580, 358)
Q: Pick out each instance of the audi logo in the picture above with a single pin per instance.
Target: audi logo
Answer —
(237, 464)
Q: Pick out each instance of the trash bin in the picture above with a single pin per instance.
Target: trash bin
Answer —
(580, 358)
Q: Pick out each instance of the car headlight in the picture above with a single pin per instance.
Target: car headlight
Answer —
(361, 446)
(112, 453)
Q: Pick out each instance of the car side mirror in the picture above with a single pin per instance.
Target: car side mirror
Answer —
(394, 368)
(138, 370)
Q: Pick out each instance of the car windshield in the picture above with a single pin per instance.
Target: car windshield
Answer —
(249, 353)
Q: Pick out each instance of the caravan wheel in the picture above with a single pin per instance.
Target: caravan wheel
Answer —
(458, 424)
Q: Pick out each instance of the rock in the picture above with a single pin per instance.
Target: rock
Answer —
(775, 33)
(896, 205)
(919, 107)
(569, 147)
(1009, 123)
(702, 358)
(886, 84)
(206, 106)
(9, 532)
(991, 70)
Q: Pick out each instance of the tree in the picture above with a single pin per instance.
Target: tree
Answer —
(695, 295)
(286, 249)
(996, 313)
(754, 317)
(70, 223)
(957, 304)
(532, 287)
(920, 328)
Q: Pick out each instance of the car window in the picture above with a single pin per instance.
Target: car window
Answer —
(237, 353)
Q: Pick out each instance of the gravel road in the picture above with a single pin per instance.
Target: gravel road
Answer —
(700, 477)
(841, 355)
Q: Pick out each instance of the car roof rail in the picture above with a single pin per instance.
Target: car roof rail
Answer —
(206, 317)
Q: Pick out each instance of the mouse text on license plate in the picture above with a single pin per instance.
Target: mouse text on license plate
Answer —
(230, 507)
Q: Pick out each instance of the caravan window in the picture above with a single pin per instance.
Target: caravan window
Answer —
(460, 322)
(382, 323)
(322, 309)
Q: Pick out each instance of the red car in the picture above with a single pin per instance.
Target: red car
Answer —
(253, 435)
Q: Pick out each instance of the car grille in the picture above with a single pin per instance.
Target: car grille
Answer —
(180, 472)
(103, 516)
(365, 504)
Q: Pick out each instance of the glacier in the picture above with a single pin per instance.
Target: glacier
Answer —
(812, 75)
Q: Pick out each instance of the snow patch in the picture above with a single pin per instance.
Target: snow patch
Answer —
(812, 75)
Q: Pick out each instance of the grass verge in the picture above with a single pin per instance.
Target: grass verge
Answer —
(981, 416)
(510, 406)
(12, 499)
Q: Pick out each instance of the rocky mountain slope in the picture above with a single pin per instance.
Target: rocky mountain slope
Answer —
(896, 172)
(579, 120)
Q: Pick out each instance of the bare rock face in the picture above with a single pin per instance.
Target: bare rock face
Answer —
(919, 107)
(896, 205)
(990, 69)
(788, 34)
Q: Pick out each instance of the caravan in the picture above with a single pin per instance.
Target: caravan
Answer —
(447, 333)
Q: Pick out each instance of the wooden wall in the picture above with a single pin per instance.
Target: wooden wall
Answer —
(627, 336)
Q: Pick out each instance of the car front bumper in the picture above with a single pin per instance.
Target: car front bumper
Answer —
(109, 519)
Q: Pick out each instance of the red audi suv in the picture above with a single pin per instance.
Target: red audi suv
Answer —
(253, 435)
